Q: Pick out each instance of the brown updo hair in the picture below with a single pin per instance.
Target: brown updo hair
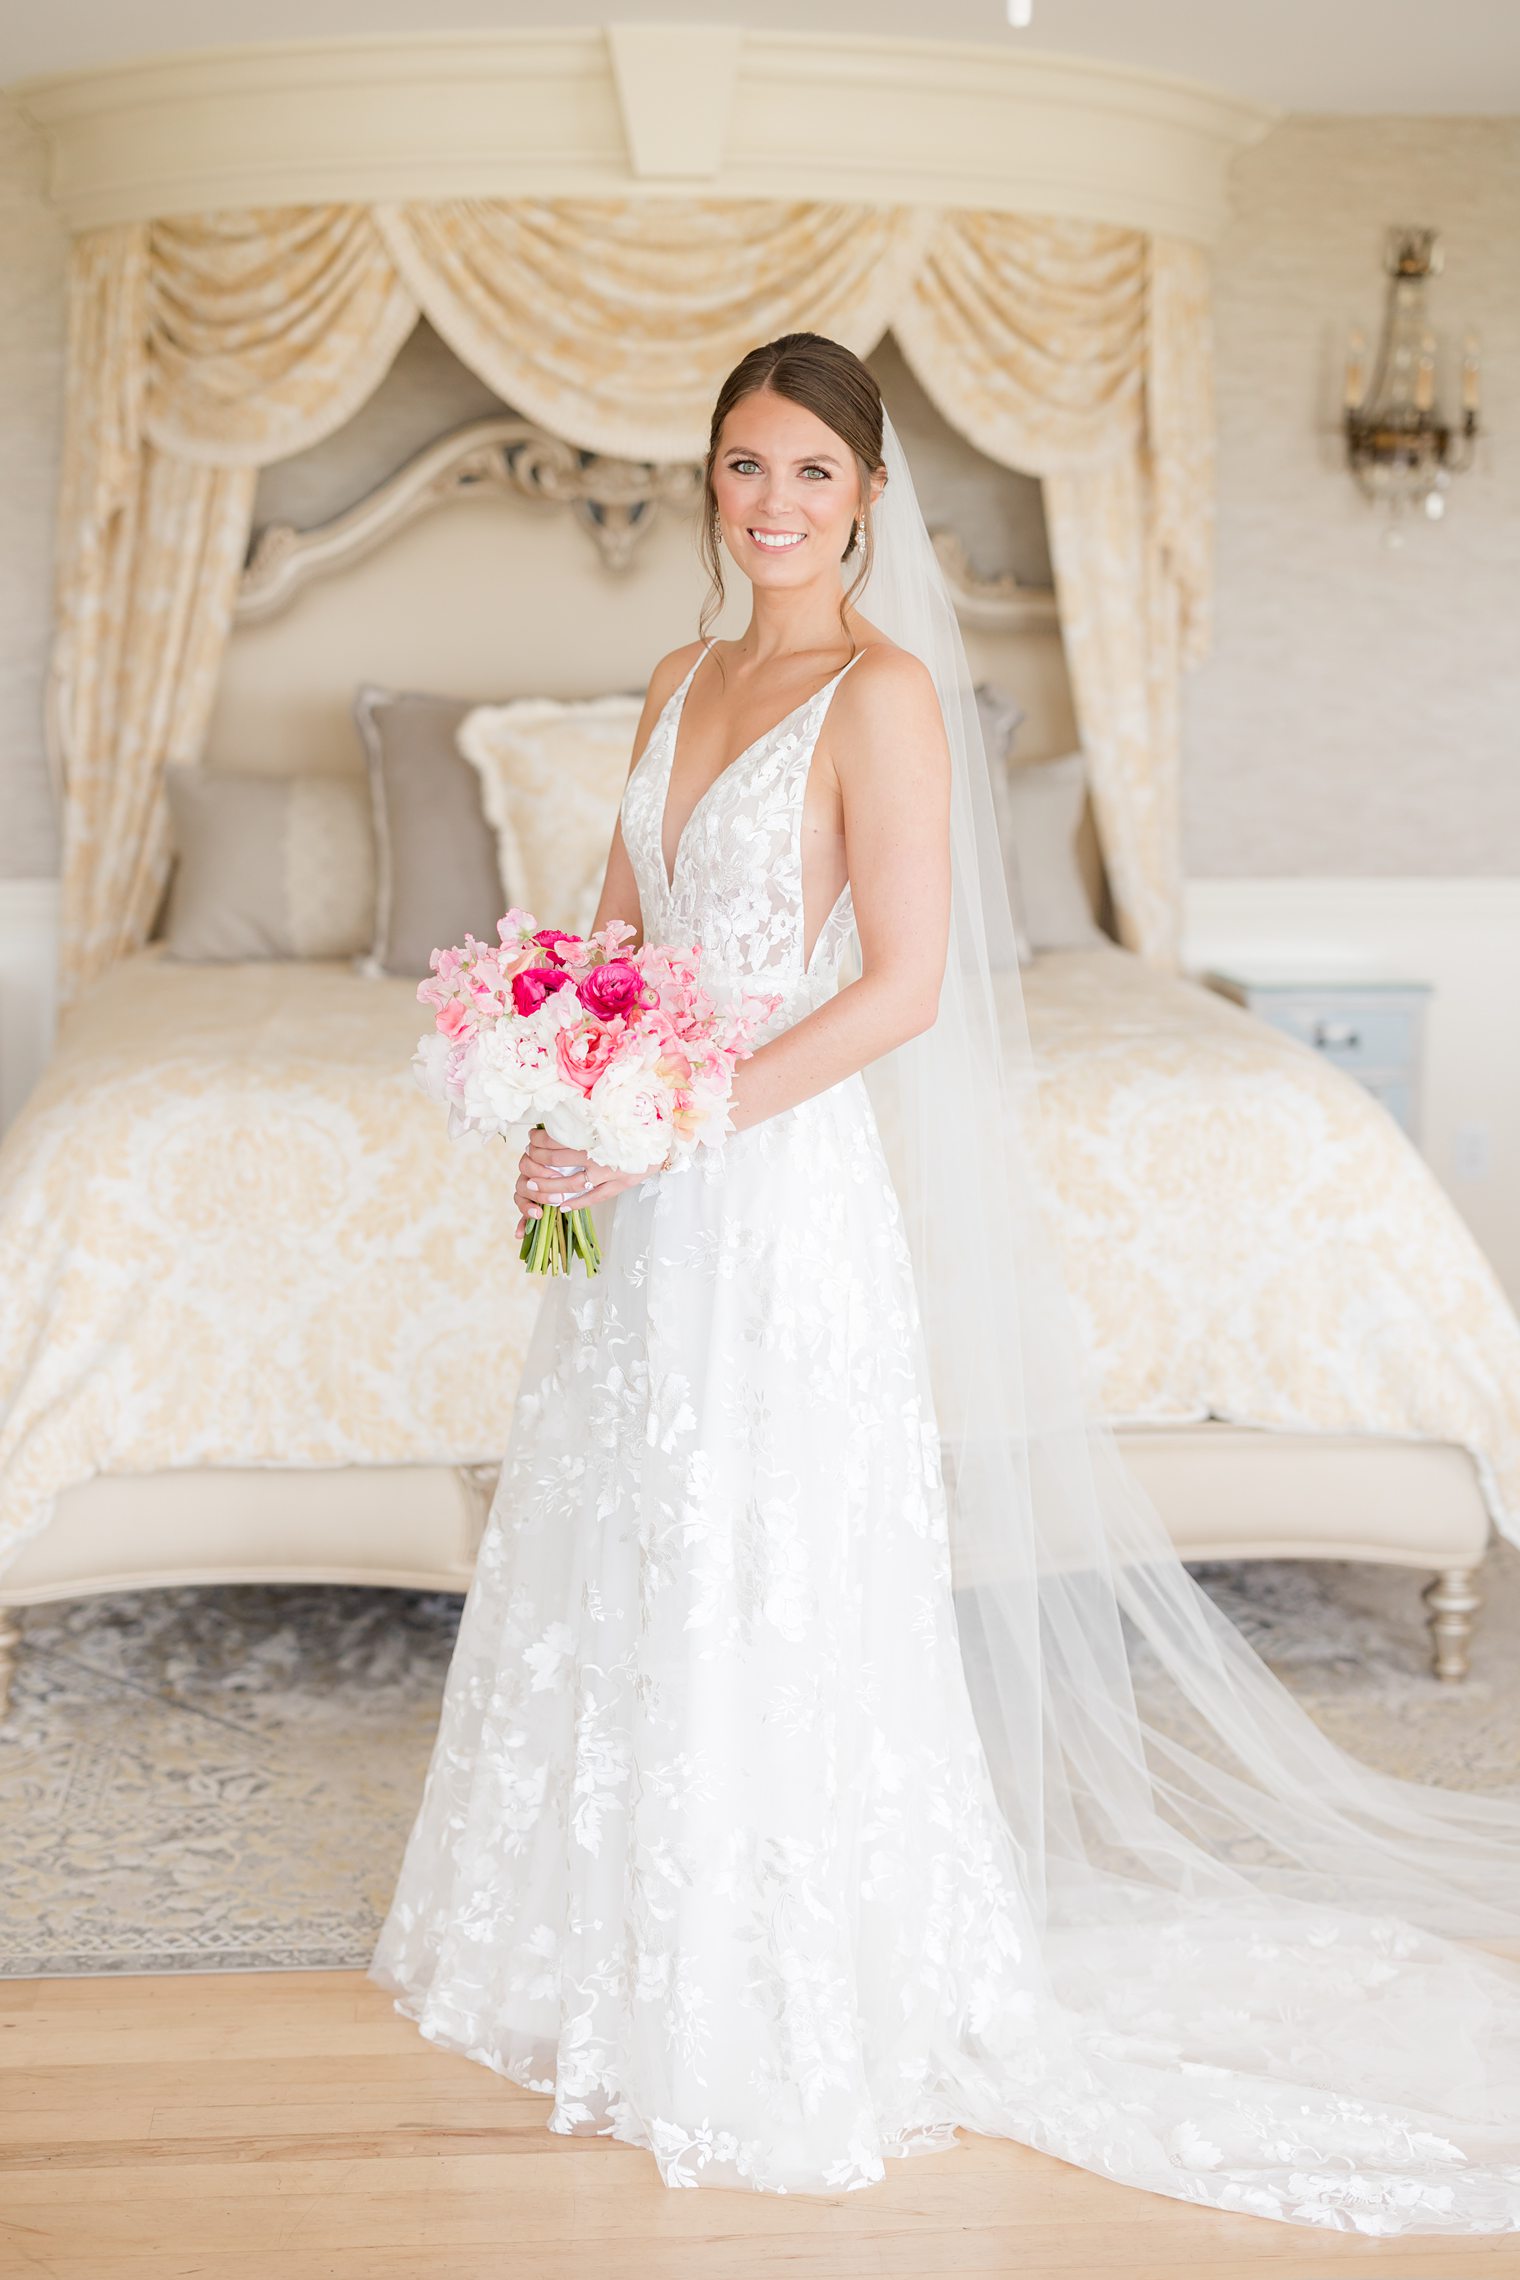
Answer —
(830, 381)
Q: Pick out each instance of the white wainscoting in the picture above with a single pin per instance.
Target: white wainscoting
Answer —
(28, 986)
(1462, 935)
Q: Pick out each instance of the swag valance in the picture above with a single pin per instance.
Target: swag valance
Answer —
(201, 348)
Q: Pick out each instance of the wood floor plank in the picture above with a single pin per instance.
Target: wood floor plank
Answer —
(266, 2126)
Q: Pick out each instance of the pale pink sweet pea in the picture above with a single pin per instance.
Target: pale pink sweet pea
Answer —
(515, 929)
(673, 1066)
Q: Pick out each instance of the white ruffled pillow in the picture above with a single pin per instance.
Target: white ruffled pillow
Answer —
(551, 774)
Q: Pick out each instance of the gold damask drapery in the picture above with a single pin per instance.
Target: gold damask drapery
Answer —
(203, 347)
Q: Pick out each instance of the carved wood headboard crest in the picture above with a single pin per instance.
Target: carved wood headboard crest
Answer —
(616, 501)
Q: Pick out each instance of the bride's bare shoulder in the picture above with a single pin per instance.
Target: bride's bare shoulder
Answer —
(887, 675)
(671, 671)
(886, 726)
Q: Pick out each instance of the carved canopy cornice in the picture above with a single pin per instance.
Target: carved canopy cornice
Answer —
(641, 110)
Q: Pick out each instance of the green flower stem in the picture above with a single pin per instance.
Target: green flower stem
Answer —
(553, 1240)
(556, 1238)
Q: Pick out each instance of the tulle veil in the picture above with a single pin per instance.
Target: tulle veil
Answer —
(1185, 1827)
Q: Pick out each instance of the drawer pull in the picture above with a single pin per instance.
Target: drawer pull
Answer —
(1332, 1032)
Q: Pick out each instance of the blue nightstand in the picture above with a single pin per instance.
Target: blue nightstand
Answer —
(1373, 1030)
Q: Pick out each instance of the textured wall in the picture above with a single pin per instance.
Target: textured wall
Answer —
(32, 252)
(1361, 709)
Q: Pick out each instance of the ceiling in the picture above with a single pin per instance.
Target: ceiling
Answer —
(1412, 56)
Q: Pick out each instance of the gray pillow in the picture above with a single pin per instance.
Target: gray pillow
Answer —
(1039, 814)
(436, 870)
(268, 866)
(1000, 717)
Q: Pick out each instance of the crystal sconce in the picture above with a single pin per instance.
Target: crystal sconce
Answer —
(1400, 449)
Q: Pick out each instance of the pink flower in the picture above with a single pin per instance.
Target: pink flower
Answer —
(673, 1068)
(550, 939)
(515, 929)
(583, 1053)
(533, 984)
(613, 989)
(454, 1020)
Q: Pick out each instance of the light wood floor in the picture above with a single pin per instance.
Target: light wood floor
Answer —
(292, 2125)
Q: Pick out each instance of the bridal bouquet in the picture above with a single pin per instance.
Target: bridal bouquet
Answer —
(622, 1053)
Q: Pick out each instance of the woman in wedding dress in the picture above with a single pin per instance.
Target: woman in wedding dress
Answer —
(835, 1753)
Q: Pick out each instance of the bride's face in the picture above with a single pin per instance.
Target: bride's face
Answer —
(787, 489)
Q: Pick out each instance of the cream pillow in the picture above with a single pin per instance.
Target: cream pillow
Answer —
(551, 777)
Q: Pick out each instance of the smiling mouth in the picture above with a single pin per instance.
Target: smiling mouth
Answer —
(777, 541)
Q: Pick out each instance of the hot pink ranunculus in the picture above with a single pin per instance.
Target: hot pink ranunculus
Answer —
(550, 940)
(533, 984)
(582, 1054)
(611, 989)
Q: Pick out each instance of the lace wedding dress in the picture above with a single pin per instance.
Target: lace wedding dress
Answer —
(709, 1847)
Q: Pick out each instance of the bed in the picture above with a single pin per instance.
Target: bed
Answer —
(260, 1321)
(261, 1318)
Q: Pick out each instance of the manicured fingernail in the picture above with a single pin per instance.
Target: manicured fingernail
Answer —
(531, 1186)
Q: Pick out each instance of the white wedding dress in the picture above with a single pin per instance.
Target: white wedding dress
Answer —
(709, 1847)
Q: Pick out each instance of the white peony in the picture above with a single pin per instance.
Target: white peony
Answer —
(631, 1107)
(569, 1120)
(512, 1074)
(430, 1065)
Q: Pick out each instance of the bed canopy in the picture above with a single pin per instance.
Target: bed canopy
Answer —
(206, 343)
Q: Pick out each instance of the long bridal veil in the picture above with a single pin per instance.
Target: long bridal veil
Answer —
(1227, 1900)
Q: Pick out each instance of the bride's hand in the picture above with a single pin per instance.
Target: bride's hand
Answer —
(549, 1172)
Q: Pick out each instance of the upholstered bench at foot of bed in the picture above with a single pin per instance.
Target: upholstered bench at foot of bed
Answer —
(1236, 1492)
(1225, 1492)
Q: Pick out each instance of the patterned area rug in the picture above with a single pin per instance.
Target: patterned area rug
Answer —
(223, 1780)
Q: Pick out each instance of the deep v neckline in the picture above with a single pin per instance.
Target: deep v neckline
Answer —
(673, 734)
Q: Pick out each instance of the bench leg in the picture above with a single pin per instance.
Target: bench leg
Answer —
(1453, 1599)
(10, 1649)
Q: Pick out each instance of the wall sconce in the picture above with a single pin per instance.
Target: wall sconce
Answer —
(1402, 453)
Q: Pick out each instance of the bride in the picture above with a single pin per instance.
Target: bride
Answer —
(835, 1752)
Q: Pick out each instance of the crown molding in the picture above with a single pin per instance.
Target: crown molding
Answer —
(640, 110)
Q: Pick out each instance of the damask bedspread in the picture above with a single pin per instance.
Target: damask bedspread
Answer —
(233, 1233)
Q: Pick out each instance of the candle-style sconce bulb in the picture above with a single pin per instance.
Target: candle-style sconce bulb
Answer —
(1356, 368)
(1472, 350)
